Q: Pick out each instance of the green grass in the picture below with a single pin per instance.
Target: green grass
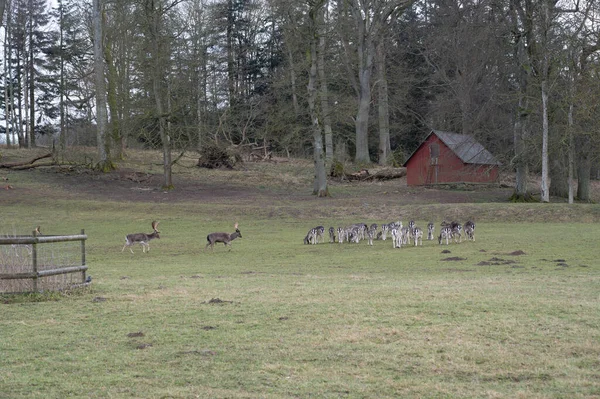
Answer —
(274, 318)
(289, 320)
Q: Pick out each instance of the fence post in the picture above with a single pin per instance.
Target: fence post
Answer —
(83, 255)
(34, 263)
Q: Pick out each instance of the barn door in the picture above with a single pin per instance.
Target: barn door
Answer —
(432, 169)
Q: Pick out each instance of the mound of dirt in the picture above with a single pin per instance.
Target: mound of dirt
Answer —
(517, 253)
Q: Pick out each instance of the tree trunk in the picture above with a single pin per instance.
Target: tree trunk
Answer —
(104, 162)
(571, 155)
(230, 55)
(520, 160)
(559, 172)
(583, 174)
(293, 82)
(320, 183)
(31, 85)
(2, 6)
(60, 147)
(545, 185)
(113, 108)
(164, 134)
(325, 102)
(159, 66)
(385, 149)
(364, 106)
(7, 73)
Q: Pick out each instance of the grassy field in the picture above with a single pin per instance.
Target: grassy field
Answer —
(515, 314)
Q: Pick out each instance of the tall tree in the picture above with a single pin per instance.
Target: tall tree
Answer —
(521, 21)
(103, 144)
(324, 90)
(385, 148)
(157, 47)
(320, 184)
(2, 7)
(366, 18)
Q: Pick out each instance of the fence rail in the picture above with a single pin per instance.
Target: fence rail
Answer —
(29, 274)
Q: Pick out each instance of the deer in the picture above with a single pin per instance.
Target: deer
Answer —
(445, 233)
(417, 234)
(225, 238)
(311, 237)
(470, 230)
(142, 238)
(331, 234)
(430, 230)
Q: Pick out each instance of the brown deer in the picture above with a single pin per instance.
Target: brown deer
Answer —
(142, 238)
(225, 238)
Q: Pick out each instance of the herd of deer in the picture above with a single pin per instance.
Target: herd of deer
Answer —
(400, 235)
(144, 238)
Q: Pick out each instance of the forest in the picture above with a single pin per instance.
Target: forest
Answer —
(360, 81)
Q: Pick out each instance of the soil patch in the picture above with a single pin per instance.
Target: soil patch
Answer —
(496, 262)
(517, 253)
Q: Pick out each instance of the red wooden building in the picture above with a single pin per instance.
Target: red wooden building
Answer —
(450, 158)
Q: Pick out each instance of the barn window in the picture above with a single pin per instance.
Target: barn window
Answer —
(434, 150)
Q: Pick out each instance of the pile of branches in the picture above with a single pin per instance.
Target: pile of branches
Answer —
(213, 156)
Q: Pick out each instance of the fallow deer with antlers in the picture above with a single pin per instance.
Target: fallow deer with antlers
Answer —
(142, 238)
(225, 238)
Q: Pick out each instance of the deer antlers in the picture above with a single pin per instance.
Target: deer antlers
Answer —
(155, 226)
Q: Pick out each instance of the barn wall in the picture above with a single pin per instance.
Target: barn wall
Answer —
(450, 169)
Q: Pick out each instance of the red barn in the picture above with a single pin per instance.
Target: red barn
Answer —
(450, 158)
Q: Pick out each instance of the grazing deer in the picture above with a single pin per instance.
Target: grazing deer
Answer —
(311, 237)
(470, 230)
(384, 230)
(331, 234)
(141, 238)
(370, 235)
(225, 238)
(320, 233)
(456, 231)
(430, 230)
(406, 235)
(397, 238)
(445, 232)
(341, 234)
(374, 227)
(469, 233)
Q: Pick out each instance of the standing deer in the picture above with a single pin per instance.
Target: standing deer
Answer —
(225, 238)
(331, 234)
(430, 230)
(141, 238)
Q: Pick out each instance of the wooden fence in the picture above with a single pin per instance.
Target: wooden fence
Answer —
(25, 268)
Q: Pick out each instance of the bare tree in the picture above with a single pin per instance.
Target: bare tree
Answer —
(103, 145)
(2, 7)
(320, 184)
(385, 148)
(155, 12)
(324, 91)
(366, 18)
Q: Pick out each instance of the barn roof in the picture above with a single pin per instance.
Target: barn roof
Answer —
(465, 147)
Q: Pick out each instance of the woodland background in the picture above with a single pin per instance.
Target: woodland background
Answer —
(358, 80)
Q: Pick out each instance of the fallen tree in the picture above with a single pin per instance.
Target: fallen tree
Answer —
(26, 164)
(365, 175)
